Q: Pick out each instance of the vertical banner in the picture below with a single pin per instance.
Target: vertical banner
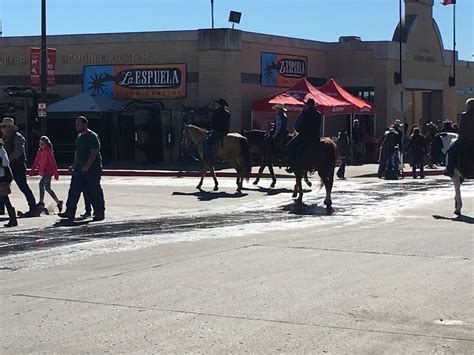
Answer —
(35, 67)
(283, 70)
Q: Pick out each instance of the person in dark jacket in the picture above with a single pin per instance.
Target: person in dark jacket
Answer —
(390, 140)
(447, 127)
(308, 127)
(417, 147)
(220, 124)
(344, 150)
(14, 144)
(358, 148)
(466, 134)
(6, 178)
(279, 130)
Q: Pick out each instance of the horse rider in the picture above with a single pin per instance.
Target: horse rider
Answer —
(279, 128)
(448, 127)
(308, 126)
(466, 134)
(220, 123)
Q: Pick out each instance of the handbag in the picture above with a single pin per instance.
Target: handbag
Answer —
(5, 189)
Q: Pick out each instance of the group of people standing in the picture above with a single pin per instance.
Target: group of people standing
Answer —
(86, 173)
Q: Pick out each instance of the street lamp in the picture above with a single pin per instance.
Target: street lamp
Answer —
(234, 17)
(44, 63)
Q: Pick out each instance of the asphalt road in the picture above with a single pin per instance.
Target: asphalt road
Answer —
(177, 270)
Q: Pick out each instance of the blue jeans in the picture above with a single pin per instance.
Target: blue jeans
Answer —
(342, 168)
(211, 138)
(417, 160)
(87, 183)
(292, 146)
(19, 175)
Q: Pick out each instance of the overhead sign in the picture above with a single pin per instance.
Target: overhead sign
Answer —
(283, 70)
(35, 67)
(135, 81)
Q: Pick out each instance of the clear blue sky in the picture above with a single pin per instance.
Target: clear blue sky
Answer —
(323, 20)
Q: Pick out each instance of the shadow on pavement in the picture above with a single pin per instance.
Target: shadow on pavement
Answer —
(209, 196)
(268, 190)
(305, 210)
(68, 223)
(461, 218)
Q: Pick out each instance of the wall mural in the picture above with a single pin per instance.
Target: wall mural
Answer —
(283, 70)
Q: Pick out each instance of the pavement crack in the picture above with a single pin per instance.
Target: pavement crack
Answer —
(253, 319)
(363, 252)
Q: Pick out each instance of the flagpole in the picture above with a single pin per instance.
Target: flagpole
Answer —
(212, 13)
(454, 44)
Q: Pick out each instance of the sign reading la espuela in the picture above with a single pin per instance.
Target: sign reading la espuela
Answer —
(149, 78)
(293, 68)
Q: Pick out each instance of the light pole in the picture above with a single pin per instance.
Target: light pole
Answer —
(212, 13)
(44, 63)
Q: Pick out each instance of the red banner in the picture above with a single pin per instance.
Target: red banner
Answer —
(448, 2)
(35, 67)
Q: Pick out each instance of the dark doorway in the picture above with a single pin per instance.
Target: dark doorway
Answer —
(126, 138)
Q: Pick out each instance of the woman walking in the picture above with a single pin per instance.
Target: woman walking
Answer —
(45, 165)
(417, 148)
(6, 178)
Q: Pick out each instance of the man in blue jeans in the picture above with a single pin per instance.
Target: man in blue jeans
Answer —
(14, 144)
(86, 172)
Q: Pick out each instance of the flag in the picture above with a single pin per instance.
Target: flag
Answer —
(448, 2)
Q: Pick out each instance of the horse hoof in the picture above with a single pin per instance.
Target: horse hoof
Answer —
(198, 187)
(294, 195)
(216, 188)
(457, 213)
(272, 185)
(255, 182)
(329, 210)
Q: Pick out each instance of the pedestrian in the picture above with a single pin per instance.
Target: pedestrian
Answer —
(393, 167)
(46, 167)
(344, 149)
(358, 147)
(418, 149)
(86, 172)
(388, 146)
(14, 145)
(6, 177)
(88, 207)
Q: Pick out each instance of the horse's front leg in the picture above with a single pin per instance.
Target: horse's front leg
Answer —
(260, 171)
(306, 180)
(239, 183)
(216, 184)
(203, 174)
(272, 173)
(457, 197)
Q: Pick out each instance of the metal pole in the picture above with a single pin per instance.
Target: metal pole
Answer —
(454, 44)
(44, 63)
(400, 35)
(212, 13)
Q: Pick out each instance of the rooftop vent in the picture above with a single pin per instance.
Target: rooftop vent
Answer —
(349, 39)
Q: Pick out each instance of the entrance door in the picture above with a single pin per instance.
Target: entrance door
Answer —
(126, 138)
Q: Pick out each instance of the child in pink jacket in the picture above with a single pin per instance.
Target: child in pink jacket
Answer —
(45, 166)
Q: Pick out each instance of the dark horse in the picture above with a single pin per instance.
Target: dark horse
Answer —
(267, 157)
(465, 165)
(232, 149)
(317, 156)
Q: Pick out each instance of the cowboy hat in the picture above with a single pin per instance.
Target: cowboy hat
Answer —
(279, 107)
(9, 122)
(469, 105)
(222, 102)
(398, 123)
(310, 102)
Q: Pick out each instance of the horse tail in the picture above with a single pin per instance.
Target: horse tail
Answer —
(247, 162)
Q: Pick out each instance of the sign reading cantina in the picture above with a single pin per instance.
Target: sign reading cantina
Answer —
(282, 70)
(154, 81)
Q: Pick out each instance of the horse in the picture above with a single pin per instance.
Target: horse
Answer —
(465, 166)
(267, 158)
(317, 156)
(232, 149)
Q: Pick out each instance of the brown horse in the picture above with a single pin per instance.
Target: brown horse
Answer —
(232, 149)
(317, 156)
(267, 158)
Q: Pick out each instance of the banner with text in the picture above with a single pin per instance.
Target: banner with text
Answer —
(136, 81)
(35, 67)
(283, 70)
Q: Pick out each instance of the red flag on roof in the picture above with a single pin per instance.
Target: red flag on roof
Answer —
(448, 2)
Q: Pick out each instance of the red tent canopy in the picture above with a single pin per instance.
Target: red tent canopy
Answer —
(303, 90)
(360, 106)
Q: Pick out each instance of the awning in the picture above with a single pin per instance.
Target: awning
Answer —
(86, 103)
(361, 107)
(295, 96)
